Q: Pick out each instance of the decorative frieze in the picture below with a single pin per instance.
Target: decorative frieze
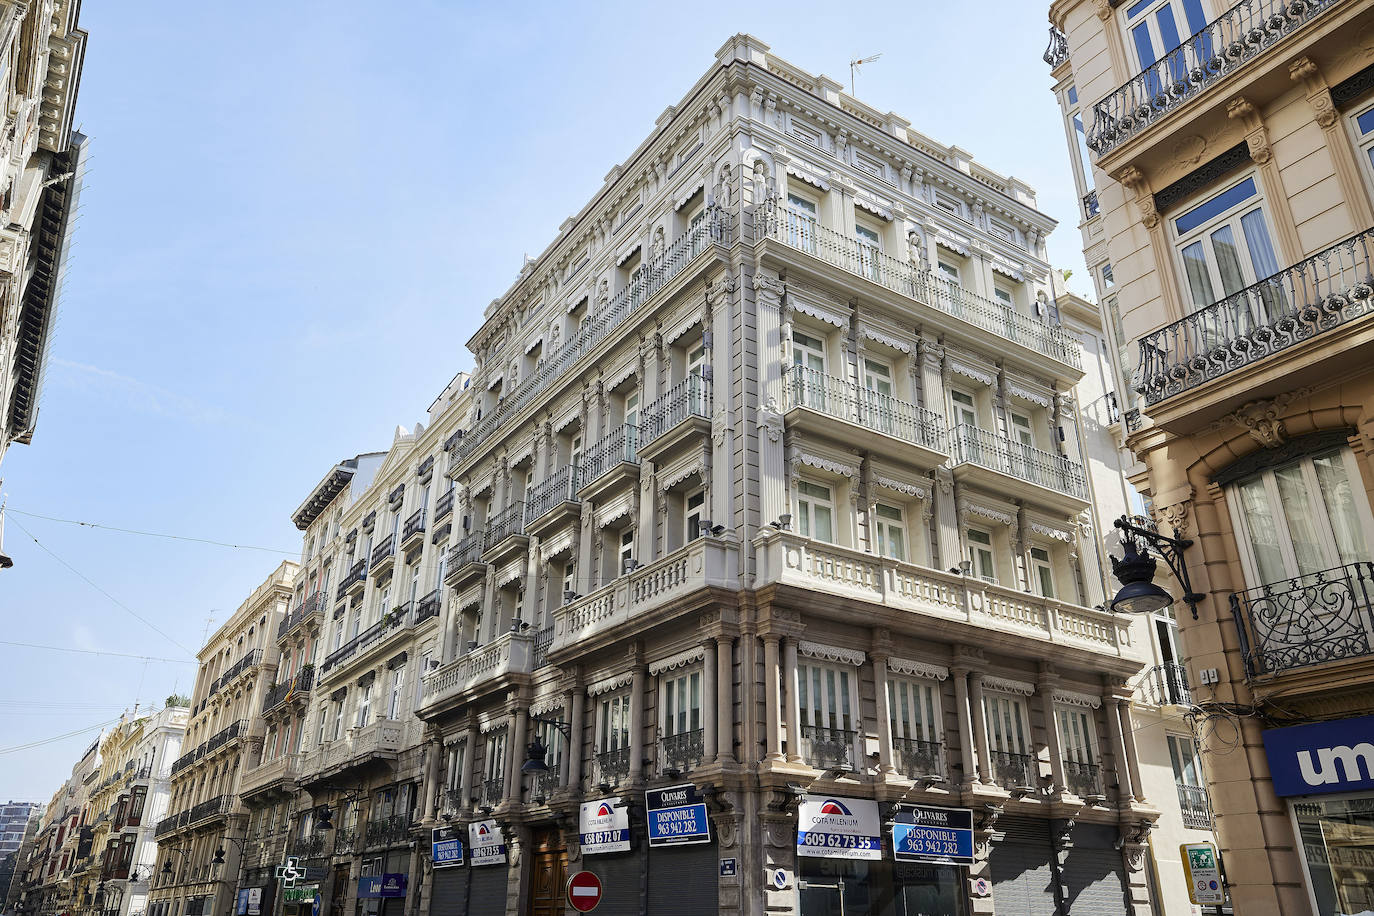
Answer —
(913, 668)
(1008, 685)
(827, 653)
(680, 660)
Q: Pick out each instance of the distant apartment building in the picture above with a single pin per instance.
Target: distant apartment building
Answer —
(14, 827)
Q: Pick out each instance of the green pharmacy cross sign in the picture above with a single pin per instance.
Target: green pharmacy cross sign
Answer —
(287, 872)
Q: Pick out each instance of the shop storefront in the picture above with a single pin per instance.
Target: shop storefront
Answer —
(301, 900)
(1326, 772)
(383, 894)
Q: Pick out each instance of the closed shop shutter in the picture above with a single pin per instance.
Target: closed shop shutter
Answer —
(1022, 876)
(1094, 873)
(487, 890)
(449, 895)
(622, 881)
(684, 881)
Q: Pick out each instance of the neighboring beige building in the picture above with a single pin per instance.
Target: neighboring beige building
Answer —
(1227, 182)
(206, 817)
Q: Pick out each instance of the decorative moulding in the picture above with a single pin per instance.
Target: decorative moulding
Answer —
(470, 598)
(607, 684)
(1074, 698)
(620, 376)
(618, 509)
(534, 341)
(675, 475)
(510, 572)
(681, 660)
(946, 242)
(544, 705)
(1008, 685)
(1058, 534)
(831, 653)
(987, 512)
(558, 545)
(884, 339)
(827, 464)
(572, 413)
(683, 326)
(488, 726)
(1026, 394)
(688, 194)
(968, 371)
(875, 208)
(796, 171)
(817, 312)
(910, 489)
(917, 669)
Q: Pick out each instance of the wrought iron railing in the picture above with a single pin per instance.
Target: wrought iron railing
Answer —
(297, 686)
(1083, 779)
(612, 767)
(384, 550)
(413, 525)
(558, 488)
(915, 759)
(1331, 288)
(543, 785)
(509, 522)
(356, 574)
(1058, 50)
(619, 446)
(542, 640)
(428, 606)
(690, 397)
(226, 734)
(1015, 771)
(307, 607)
(824, 748)
(1167, 685)
(1090, 205)
(682, 752)
(973, 445)
(1222, 47)
(211, 807)
(841, 398)
(307, 847)
(444, 504)
(165, 827)
(465, 552)
(492, 791)
(345, 841)
(387, 831)
(1307, 620)
(656, 273)
(1194, 806)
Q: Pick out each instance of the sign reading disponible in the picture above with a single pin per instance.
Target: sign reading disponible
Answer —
(926, 834)
(677, 816)
(603, 828)
(839, 828)
(486, 842)
(446, 847)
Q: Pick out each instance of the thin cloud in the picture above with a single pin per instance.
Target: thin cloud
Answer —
(139, 395)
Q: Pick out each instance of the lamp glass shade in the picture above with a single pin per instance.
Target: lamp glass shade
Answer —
(534, 758)
(1141, 598)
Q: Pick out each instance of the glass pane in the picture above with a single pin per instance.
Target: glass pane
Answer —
(896, 548)
(1302, 526)
(1264, 537)
(1214, 207)
(1337, 836)
(1199, 282)
(824, 529)
(1340, 508)
(1144, 46)
(1272, 301)
(1228, 260)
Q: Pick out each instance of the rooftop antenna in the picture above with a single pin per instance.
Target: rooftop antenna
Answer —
(858, 62)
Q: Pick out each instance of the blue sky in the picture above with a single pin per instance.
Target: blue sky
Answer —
(294, 216)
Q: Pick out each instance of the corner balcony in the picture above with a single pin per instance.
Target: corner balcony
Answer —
(1320, 301)
(706, 562)
(1223, 47)
(1014, 469)
(464, 561)
(276, 775)
(378, 742)
(1297, 624)
(509, 654)
(428, 606)
(1166, 685)
(212, 809)
(677, 420)
(839, 409)
(611, 462)
(354, 581)
(553, 501)
(946, 602)
(292, 689)
(383, 557)
(413, 531)
(443, 506)
(991, 323)
(505, 534)
(308, 611)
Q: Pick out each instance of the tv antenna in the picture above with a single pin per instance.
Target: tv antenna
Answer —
(858, 62)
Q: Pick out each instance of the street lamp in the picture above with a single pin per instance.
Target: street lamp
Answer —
(1136, 570)
(536, 752)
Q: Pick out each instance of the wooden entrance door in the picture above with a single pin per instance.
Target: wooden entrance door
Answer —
(338, 893)
(549, 877)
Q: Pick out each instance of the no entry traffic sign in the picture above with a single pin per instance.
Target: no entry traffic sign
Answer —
(584, 891)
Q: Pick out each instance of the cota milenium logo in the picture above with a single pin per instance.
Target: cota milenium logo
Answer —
(831, 806)
(604, 810)
(483, 830)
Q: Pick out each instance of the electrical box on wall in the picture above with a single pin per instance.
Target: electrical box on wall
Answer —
(1208, 676)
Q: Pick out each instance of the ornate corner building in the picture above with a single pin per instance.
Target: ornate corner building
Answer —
(1225, 158)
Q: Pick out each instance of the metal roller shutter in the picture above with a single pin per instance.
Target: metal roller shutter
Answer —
(1022, 877)
(449, 894)
(488, 886)
(1094, 874)
(622, 881)
(684, 881)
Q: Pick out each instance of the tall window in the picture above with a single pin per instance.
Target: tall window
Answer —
(1183, 755)
(965, 409)
(626, 551)
(569, 580)
(870, 246)
(552, 739)
(980, 554)
(338, 718)
(695, 506)
(494, 766)
(1008, 731)
(913, 710)
(815, 511)
(682, 703)
(1082, 158)
(1077, 734)
(823, 694)
(613, 723)
(398, 680)
(1224, 246)
(1021, 429)
(1363, 125)
(364, 703)
(808, 374)
(890, 529)
(879, 408)
(1158, 28)
(1042, 572)
(801, 222)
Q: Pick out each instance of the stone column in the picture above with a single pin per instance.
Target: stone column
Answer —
(585, 578)
(708, 674)
(515, 754)
(1126, 792)
(1044, 689)
(433, 755)
(725, 722)
(578, 701)
(720, 298)
(884, 711)
(951, 552)
(469, 752)
(980, 728)
(967, 745)
(1123, 705)
(637, 725)
(793, 706)
(772, 693)
(773, 331)
(1346, 166)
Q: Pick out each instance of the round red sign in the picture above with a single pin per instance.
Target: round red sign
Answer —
(584, 891)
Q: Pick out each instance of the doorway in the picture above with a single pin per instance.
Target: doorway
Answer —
(549, 874)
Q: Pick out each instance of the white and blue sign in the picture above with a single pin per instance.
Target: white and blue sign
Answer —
(677, 816)
(925, 834)
(388, 885)
(603, 827)
(446, 845)
(487, 843)
(1322, 757)
(839, 828)
(729, 868)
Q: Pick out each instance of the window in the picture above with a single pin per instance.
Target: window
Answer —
(952, 207)
(1183, 754)
(913, 710)
(398, 680)
(801, 222)
(1004, 298)
(890, 530)
(870, 246)
(1021, 429)
(632, 409)
(1224, 246)
(613, 723)
(625, 555)
(1042, 572)
(364, 703)
(569, 579)
(1301, 517)
(980, 555)
(695, 506)
(494, 766)
(815, 511)
(682, 703)
(808, 370)
(456, 754)
(338, 718)
(826, 698)
(1156, 29)
(552, 739)
(696, 359)
(1363, 123)
(965, 410)
(1077, 734)
(879, 409)
(1082, 157)
(1009, 740)
(1002, 231)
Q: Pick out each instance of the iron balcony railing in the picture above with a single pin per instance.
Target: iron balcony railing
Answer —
(1332, 288)
(306, 847)
(357, 573)
(492, 792)
(509, 522)
(1308, 620)
(805, 233)
(428, 606)
(444, 504)
(656, 273)
(543, 785)
(424, 467)
(466, 551)
(401, 617)
(387, 831)
(824, 748)
(1015, 771)
(612, 767)
(619, 446)
(1090, 205)
(1083, 779)
(973, 445)
(413, 525)
(843, 399)
(309, 606)
(1167, 685)
(226, 734)
(165, 827)
(345, 841)
(293, 687)
(682, 752)
(1058, 50)
(1195, 807)
(690, 397)
(915, 759)
(1219, 49)
(558, 488)
(211, 807)
(384, 550)
(542, 641)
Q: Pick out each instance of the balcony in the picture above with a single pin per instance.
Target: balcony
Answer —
(611, 461)
(387, 831)
(1166, 685)
(443, 506)
(1331, 290)
(381, 740)
(1224, 46)
(1002, 322)
(509, 653)
(383, 555)
(1084, 780)
(785, 558)
(1018, 773)
(1194, 806)
(306, 847)
(308, 609)
(916, 759)
(702, 242)
(210, 809)
(413, 531)
(676, 420)
(1310, 620)
(186, 759)
(553, 501)
(274, 774)
(1004, 466)
(250, 660)
(505, 533)
(842, 410)
(165, 827)
(428, 606)
(346, 841)
(354, 580)
(828, 748)
(611, 768)
(294, 688)
(491, 792)
(225, 735)
(543, 786)
(397, 620)
(464, 561)
(681, 753)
